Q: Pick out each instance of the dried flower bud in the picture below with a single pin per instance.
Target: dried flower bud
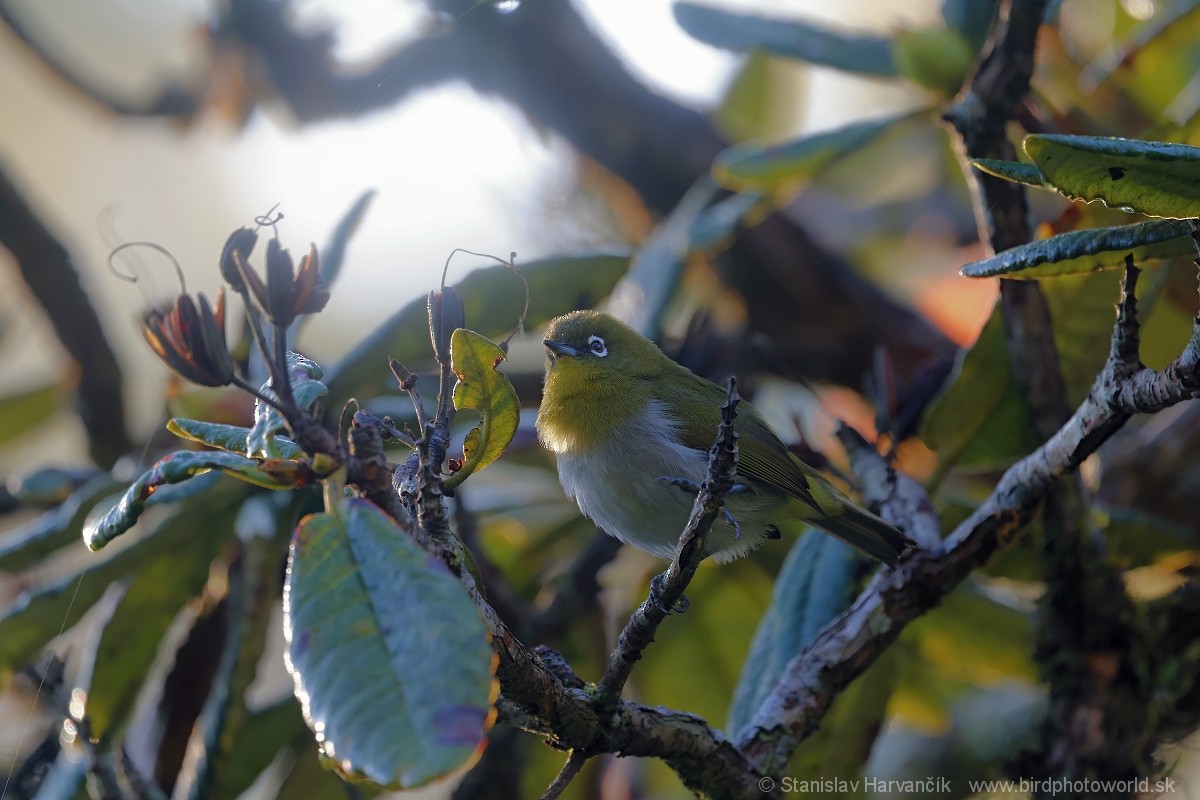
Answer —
(191, 340)
(242, 243)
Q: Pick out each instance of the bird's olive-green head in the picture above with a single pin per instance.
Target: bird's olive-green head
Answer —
(598, 374)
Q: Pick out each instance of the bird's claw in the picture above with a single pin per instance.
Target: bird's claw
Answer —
(694, 488)
(680, 605)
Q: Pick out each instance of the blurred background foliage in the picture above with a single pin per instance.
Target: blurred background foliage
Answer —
(817, 261)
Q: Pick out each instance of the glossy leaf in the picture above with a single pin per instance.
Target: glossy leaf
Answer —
(305, 376)
(389, 654)
(231, 438)
(790, 38)
(1087, 251)
(176, 468)
(1015, 171)
(815, 584)
(785, 167)
(493, 298)
(24, 411)
(1157, 179)
(483, 388)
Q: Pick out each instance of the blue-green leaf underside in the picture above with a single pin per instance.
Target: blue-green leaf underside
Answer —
(815, 583)
(753, 167)
(1092, 250)
(389, 654)
(790, 38)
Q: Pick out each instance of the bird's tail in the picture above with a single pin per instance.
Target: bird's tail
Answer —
(868, 533)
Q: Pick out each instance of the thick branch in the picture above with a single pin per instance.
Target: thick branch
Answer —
(46, 267)
(823, 320)
(852, 642)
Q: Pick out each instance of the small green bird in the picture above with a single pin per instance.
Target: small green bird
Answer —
(632, 430)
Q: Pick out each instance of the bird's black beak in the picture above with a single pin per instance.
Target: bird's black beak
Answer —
(560, 348)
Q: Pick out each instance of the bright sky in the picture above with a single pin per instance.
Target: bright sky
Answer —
(452, 169)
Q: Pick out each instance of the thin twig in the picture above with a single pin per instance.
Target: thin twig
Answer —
(567, 774)
(667, 590)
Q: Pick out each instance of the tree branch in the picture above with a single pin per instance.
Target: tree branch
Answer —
(852, 642)
(823, 320)
(46, 268)
(667, 589)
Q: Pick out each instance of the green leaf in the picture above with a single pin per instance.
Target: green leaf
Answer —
(1088, 251)
(493, 298)
(1015, 171)
(982, 415)
(1138, 537)
(786, 167)
(47, 487)
(24, 411)
(1157, 179)
(694, 224)
(975, 639)
(864, 55)
(481, 387)
(760, 101)
(27, 544)
(971, 18)
(936, 59)
(390, 657)
(176, 468)
(231, 438)
(641, 296)
(305, 376)
(815, 584)
(717, 223)
(173, 570)
(334, 252)
(170, 565)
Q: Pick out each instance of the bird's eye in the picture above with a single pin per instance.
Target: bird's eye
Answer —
(596, 345)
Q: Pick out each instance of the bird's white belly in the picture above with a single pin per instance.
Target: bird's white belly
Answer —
(619, 486)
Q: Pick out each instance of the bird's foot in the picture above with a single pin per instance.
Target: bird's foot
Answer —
(680, 606)
(694, 488)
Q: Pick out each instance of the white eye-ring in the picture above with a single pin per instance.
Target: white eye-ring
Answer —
(596, 345)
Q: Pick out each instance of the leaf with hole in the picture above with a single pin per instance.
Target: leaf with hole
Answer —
(1158, 179)
(389, 654)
